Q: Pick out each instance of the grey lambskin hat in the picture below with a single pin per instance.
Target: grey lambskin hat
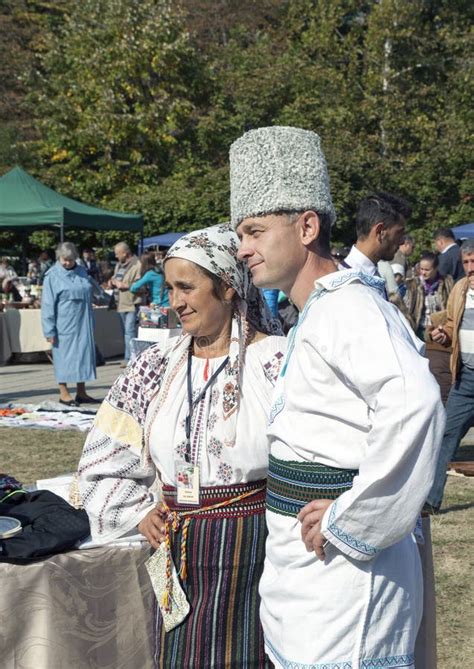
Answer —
(278, 168)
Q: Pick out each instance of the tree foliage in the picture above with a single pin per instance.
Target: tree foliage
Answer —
(136, 102)
(116, 93)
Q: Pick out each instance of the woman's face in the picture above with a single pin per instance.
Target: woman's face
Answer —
(427, 271)
(191, 295)
(67, 263)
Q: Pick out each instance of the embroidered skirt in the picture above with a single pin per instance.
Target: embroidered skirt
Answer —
(225, 550)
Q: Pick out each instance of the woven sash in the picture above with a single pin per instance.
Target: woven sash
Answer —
(226, 501)
(291, 485)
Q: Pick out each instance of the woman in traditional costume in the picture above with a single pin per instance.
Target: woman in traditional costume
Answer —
(195, 412)
(68, 324)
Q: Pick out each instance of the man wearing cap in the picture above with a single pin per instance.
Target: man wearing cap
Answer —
(353, 431)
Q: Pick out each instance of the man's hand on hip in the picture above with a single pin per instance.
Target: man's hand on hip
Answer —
(310, 518)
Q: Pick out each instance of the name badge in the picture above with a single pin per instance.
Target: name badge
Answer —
(187, 483)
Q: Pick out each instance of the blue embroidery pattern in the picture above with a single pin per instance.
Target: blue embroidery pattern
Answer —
(344, 277)
(277, 407)
(394, 662)
(405, 661)
(349, 540)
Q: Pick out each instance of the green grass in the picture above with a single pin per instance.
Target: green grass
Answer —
(453, 551)
(30, 454)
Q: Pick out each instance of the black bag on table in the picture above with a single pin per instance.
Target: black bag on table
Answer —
(50, 526)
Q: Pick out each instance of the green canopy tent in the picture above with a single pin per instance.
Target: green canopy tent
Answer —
(26, 202)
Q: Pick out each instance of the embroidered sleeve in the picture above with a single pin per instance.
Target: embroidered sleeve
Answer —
(272, 367)
(115, 471)
(383, 367)
(114, 485)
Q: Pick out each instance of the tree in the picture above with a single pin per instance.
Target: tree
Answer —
(22, 24)
(115, 96)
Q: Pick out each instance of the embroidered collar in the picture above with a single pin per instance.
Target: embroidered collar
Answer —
(336, 280)
(326, 284)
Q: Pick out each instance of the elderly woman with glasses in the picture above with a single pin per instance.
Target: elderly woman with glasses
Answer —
(194, 414)
(67, 320)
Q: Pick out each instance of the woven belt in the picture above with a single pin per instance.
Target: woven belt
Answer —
(291, 485)
(232, 501)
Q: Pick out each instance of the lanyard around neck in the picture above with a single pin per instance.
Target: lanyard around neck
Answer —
(193, 403)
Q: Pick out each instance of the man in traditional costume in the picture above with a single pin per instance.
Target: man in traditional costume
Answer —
(354, 428)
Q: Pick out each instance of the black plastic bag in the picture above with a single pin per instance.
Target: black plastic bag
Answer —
(50, 526)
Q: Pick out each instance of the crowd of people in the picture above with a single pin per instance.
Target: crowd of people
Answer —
(279, 479)
(423, 286)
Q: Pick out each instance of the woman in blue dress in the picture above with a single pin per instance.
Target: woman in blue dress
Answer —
(68, 324)
(152, 278)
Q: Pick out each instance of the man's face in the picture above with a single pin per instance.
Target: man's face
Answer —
(406, 248)
(272, 248)
(439, 244)
(87, 255)
(121, 254)
(390, 238)
(468, 264)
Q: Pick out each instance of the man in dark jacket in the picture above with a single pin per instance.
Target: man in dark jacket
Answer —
(449, 254)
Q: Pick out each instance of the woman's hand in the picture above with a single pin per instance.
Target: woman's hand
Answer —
(51, 340)
(153, 526)
(310, 518)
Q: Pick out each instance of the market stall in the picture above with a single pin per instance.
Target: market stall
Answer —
(26, 202)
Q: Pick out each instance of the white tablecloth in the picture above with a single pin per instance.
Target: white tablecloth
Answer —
(86, 609)
(24, 331)
(20, 332)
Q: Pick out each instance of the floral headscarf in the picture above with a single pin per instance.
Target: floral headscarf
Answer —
(215, 249)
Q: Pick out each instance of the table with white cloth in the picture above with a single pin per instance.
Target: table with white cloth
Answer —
(5, 347)
(85, 609)
(149, 336)
(21, 332)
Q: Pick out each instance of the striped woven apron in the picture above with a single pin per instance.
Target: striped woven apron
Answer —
(224, 549)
